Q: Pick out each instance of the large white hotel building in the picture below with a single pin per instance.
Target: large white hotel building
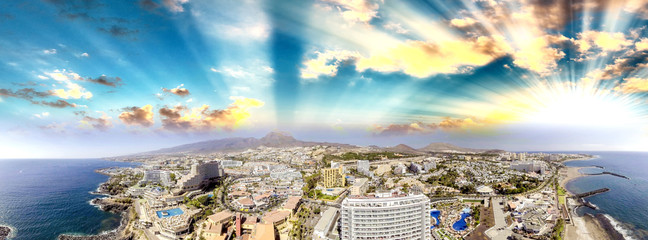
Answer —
(386, 217)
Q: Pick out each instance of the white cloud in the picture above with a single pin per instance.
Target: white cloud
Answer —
(72, 90)
(326, 63)
(85, 54)
(42, 115)
(49, 51)
(235, 72)
(354, 11)
(268, 69)
(174, 5)
(396, 27)
(42, 77)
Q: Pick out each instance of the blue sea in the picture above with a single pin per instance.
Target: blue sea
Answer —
(627, 201)
(41, 199)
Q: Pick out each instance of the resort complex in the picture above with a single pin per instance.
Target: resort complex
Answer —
(355, 193)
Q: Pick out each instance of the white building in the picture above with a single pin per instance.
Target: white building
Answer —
(286, 174)
(325, 223)
(231, 163)
(528, 166)
(363, 166)
(200, 175)
(388, 217)
(156, 177)
(429, 166)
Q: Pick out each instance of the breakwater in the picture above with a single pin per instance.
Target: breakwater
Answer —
(609, 173)
(590, 193)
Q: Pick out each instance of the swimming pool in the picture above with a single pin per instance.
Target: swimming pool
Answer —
(435, 214)
(169, 213)
(461, 225)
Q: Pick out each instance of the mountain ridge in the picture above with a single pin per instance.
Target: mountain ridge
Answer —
(283, 139)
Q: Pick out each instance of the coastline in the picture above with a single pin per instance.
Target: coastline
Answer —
(586, 227)
(108, 205)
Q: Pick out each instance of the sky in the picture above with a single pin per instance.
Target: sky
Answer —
(98, 78)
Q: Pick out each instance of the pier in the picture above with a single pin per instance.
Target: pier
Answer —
(591, 193)
(609, 173)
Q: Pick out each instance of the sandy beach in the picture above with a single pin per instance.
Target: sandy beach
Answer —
(585, 227)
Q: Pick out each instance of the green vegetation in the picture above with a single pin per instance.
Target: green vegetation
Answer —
(300, 230)
(558, 229)
(476, 214)
(311, 183)
(124, 200)
(521, 184)
(173, 177)
(320, 195)
(448, 180)
(365, 156)
(468, 189)
(406, 188)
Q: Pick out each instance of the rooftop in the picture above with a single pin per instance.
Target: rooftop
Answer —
(220, 216)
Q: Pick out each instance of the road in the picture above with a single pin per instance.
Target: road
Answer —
(500, 231)
(140, 212)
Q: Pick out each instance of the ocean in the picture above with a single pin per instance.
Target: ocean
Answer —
(40, 199)
(626, 204)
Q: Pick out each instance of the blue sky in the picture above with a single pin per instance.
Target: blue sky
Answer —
(93, 78)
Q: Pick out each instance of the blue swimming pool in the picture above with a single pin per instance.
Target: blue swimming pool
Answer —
(435, 214)
(169, 213)
(461, 225)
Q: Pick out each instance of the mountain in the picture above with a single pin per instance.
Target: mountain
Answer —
(282, 139)
(402, 148)
(272, 139)
(446, 147)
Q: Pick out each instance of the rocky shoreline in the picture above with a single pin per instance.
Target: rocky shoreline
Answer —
(108, 204)
(607, 226)
(4, 232)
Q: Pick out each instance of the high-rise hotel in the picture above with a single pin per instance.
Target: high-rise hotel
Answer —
(386, 216)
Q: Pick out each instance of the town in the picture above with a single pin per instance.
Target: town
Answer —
(341, 192)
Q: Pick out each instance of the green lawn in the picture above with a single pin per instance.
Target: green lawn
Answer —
(561, 200)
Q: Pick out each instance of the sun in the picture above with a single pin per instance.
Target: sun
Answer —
(580, 105)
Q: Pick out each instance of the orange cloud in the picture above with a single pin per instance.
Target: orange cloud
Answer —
(633, 85)
(447, 124)
(138, 116)
(102, 123)
(179, 90)
(423, 59)
(183, 119)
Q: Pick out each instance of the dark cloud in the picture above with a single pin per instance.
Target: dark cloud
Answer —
(30, 94)
(106, 81)
(119, 31)
(57, 104)
(24, 93)
(138, 116)
(180, 91)
(101, 123)
(623, 67)
(171, 119)
(94, 11)
(148, 5)
(80, 113)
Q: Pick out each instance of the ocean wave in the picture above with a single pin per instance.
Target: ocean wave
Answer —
(618, 226)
